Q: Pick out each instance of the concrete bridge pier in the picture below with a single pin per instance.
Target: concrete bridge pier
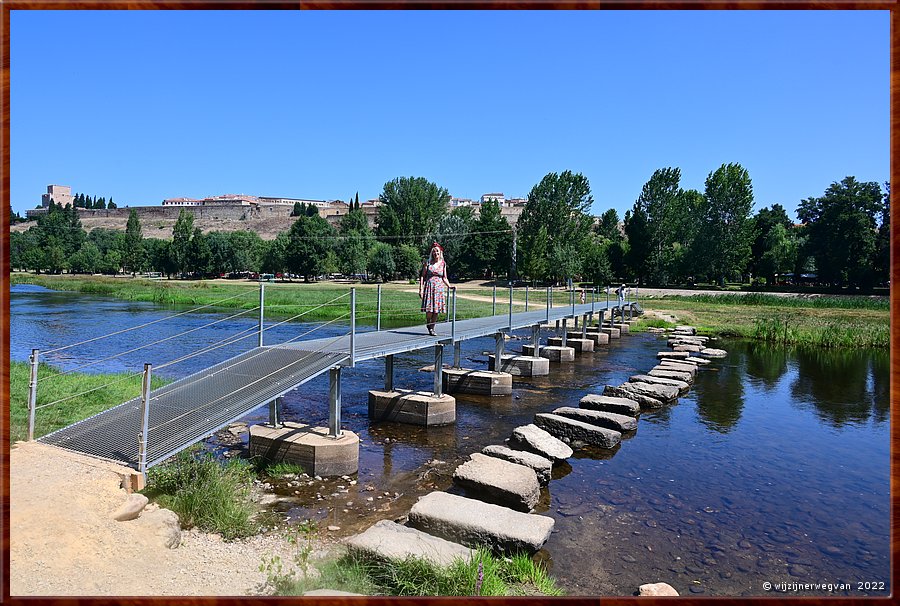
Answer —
(413, 407)
(479, 382)
(323, 451)
(556, 349)
(526, 365)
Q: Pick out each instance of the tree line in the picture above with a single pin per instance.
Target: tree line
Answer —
(670, 235)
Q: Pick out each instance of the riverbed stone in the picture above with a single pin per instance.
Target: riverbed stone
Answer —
(656, 590)
(623, 392)
(497, 481)
(665, 373)
(131, 508)
(534, 439)
(609, 420)
(711, 352)
(475, 523)
(575, 432)
(542, 466)
(619, 405)
(387, 540)
(681, 386)
(690, 330)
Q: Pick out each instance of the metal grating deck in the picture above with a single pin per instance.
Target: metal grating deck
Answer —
(192, 408)
(188, 410)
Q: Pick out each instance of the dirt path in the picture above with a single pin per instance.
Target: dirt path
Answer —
(64, 542)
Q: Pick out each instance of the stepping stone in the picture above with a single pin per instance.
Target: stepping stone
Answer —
(476, 523)
(497, 481)
(664, 393)
(554, 353)
(688, 348)
(664, 373)
(673, 366)
(714, 353)
(685, 329)
(542, 466)
(480, 382)
(622, 392)
(673, 355)
(609, 420)
(387, 540)
(577, 433)
(692, 360)
(681, 386)
(623, 406)
(534, 439)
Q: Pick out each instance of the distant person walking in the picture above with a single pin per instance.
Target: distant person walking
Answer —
(620, 293)
(433, 285)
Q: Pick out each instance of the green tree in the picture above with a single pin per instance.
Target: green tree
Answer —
(452, 233)
(608, 225)
(111, 204)
(490, 245)
(181, 240)
(596, 268)
(637, 256)
(725, 233)
(87, 260)
(534, 260)
(560, 204)
(352, 250)
(246, 249)
(883, 240)
(220, 251)
(565, 261)
(381, 261)
(310, 239)
(159, 256)
(780, 253)
(112, 262)
(410, 209)
(762, 224)
(274, 257)
(841, 227)
(61, 227)
(408, 262)
(133, 255)
(55, 259)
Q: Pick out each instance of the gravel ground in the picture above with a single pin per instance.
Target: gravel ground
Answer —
(63, 540)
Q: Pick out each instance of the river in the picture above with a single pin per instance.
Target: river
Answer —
(774, 468)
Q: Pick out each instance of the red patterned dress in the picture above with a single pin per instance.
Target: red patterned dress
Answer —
(434, 296)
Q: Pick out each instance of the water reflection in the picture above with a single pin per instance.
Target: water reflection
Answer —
(720, 398)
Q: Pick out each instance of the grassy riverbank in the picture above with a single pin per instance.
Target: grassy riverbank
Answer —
(98, 392)
(822, 321)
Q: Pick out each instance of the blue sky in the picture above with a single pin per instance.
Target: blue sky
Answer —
(147, 105)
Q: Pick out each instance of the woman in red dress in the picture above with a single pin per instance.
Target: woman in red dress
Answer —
(433, 285)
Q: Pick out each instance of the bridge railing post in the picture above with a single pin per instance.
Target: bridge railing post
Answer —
(32, 392)
(510, 305)
(145, 421)
(549, 303)
(494, 301)
(607, 297)
(526, 297)
(498, 351)
(334, 402)
(262, 303)
(536, 339)
(378, 312)
(389, 373)
(352, 327)
(453, 317)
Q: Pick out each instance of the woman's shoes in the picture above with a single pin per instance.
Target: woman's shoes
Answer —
(431, 332)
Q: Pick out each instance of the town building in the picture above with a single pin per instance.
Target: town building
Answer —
(499, 197)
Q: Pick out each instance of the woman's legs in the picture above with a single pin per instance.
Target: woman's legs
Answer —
(429, 320)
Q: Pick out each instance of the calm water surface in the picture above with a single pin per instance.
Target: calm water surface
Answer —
(774, 468)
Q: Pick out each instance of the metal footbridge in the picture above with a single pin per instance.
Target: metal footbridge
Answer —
(146, 430)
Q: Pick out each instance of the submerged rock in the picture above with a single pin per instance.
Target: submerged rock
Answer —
(656, 590)
(534, 439)
(542, 466)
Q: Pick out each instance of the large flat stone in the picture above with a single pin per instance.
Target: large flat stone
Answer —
(522, 366)
(575, 432)
(387, 540)
(684, 328)
(542, 466)
(673, 355)
(412, 407)
(622, 392)
(665, 373)
(617, 405)
(576, 343)
(681, 386)
(534, 439)
(554, 353)
(711, 352)
(480, 382)
(665, 393)
(310, 447)
(609, 420)
(689, 348)
(475, 523)
(497, 481)
(672, 365)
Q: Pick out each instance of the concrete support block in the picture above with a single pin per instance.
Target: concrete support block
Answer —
(614, 333)
(599, 338)
(554, 353)
(577, 343)
(480, 382)
(622, 326)
(522, 366)
(310, 447)
(412, 407)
